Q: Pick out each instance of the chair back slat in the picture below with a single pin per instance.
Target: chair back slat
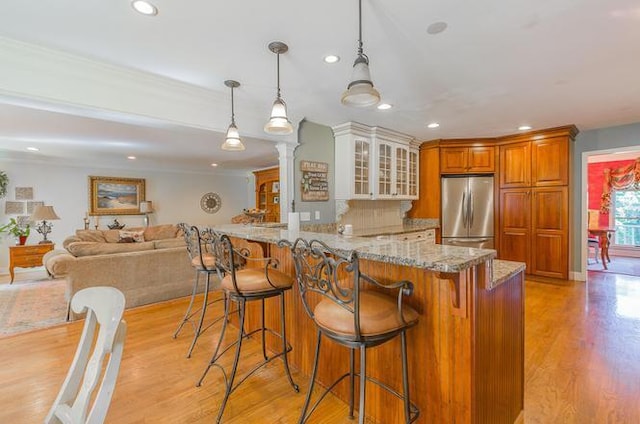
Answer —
(104, 307)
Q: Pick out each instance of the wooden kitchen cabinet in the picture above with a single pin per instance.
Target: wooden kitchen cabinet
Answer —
(515, 165)
(534, 229)
(467, 160)
(268, 193)
(428, 203)
(550, 162)
(536, 163)
(535, 174)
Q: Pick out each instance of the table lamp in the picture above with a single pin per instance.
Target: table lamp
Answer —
(44, 214)
(146, 207)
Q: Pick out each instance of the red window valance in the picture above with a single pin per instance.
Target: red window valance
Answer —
(621, 178)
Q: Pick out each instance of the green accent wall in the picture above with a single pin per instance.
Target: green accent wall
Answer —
(316, 144)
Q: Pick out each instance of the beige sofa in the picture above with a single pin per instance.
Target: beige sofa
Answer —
(148, 271)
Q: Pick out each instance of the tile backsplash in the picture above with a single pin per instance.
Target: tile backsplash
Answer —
(372, 213)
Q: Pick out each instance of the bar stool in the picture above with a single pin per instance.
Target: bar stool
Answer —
(351, 317)
(242, 286)
(203, 262)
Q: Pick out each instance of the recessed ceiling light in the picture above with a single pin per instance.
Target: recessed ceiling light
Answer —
(144, 7)
(524, 128)
(331, 58)
(33, 149)
(436, 28)
(214, 164)
(131, 157)
(433, 125)
(384, 106)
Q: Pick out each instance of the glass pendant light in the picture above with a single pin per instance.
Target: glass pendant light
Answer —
(232, 141)
(360, 91)
(279, 123)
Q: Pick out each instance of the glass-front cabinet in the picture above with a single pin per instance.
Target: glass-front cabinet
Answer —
(375, 163)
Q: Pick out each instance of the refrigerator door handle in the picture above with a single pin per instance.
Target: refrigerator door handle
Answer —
(470, 206)
(464, 209)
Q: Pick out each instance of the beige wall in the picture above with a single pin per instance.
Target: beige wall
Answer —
(175, 196)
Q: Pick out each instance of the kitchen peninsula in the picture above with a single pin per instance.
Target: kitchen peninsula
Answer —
(466, 354)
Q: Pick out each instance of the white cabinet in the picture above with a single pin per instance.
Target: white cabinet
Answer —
(375, 163)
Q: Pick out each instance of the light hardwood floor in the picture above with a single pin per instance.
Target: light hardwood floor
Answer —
(582, 365)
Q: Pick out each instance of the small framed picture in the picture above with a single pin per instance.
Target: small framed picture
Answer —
(275, 188)
(276, 200)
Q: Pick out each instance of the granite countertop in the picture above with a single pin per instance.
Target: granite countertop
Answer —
(394, 229)
(503, 270)
(418, 253)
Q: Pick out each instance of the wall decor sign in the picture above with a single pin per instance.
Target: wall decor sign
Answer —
(115, 196)
(13, 208)
(314, 185)
(24, 193)
(31, 206)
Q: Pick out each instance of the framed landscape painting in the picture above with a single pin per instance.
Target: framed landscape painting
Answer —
(115, 196)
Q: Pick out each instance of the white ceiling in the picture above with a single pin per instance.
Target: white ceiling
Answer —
(498, 65)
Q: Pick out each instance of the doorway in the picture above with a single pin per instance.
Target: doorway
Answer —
(612, 208)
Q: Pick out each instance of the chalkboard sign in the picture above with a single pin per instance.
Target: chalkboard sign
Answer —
(314, 184)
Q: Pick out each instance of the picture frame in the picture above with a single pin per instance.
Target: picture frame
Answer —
(115, 195)
(275, 187)
(276, 200)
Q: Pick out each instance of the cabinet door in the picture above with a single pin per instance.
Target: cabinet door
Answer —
(550, 228)
(454, 160)
(515, 165)
(550, 162)
(481, 159)
(402, 172)
(515, 225)
(413, 174)
(384, 171)
(362, 168)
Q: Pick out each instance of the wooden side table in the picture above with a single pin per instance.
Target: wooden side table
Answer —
(27, 256)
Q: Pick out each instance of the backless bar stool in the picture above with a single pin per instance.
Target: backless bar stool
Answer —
(352, 317)
(242, 286)
(204, 263)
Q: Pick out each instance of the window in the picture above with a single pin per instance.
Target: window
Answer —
(625, 217)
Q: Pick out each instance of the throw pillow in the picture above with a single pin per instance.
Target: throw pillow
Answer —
(137, 236)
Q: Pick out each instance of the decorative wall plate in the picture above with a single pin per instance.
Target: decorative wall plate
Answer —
(211, 203)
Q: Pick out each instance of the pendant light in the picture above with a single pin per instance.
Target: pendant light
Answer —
(279, 123)
(360, 91)
(232, 141)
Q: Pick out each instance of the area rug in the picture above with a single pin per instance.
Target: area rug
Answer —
(618, 265)
(31, 304)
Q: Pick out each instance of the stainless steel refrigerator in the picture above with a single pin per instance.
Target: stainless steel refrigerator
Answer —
(467, 211)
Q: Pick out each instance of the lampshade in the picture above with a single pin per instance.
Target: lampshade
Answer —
(146, 206)
(232, 140)
(43, 213)
(279, 122)
(360, 91)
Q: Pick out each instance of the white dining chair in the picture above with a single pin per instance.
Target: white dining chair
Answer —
(76, 402)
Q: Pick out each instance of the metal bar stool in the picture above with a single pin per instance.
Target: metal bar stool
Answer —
(242, 286)
(352, 317)
(204, 263)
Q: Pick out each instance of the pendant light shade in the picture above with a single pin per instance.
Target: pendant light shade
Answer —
(360, 91)
(232, 140)
(279, 123)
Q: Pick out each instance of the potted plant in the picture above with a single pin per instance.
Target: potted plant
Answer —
(13, 228)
